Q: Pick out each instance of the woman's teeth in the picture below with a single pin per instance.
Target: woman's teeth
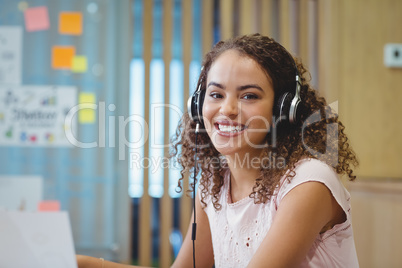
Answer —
(226, 128)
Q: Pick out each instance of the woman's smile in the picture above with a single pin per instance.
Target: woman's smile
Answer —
(229, 129)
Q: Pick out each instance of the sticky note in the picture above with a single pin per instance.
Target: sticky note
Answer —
(86, 114)
(62, 57)
(70, 23)
(36, 19)
(49, 205)
(23, 6)
(79, 64)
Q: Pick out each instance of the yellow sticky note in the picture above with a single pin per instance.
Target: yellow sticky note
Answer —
(70, 23)
(79, 64)
(62, 57)
(86, 114)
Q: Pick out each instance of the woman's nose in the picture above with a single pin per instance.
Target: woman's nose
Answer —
(229, 107)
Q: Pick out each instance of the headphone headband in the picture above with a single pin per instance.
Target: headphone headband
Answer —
(287, 108)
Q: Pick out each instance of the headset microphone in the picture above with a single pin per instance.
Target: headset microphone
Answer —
(194, 227)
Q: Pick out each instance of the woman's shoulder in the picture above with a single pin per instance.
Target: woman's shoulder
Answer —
(312, 167)
(314, 170)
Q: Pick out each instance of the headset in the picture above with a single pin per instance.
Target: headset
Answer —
(195, 102)
(287, 109)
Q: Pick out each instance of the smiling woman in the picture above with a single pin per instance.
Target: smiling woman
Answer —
(254, 106)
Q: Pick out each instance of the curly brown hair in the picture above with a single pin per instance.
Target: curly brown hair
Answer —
(318, 133)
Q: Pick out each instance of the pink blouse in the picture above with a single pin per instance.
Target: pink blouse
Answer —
(238, 228)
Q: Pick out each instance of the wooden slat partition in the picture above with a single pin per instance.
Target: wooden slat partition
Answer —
(328, 49)
(294, 21)
(166, 207)
(313, 41)
(185, 202)
(256, 16)
(207, 25)
(266, 18)
(284, 23)
(303, 32)
(246, 17)
(145, 232)
(226, 19)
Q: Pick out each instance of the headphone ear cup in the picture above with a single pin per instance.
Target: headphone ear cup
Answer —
(283, 107)
(200, 103)
(295, 111)
(194, 105)
(191, 103)
(300, 111)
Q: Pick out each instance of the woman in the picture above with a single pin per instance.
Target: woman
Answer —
(269, 154)
(268, 195)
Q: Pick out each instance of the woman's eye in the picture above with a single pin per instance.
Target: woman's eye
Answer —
(250, 97)
(216, 95)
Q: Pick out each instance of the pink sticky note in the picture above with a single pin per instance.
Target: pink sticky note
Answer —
(49, 205)
(36, 19)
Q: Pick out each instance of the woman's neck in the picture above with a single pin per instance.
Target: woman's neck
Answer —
(244, 169)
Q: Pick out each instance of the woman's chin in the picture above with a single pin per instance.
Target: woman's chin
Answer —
(234, 151)
(228, 150)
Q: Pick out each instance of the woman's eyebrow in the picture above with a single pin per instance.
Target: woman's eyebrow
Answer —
(216, 85)
(240, 88)
(250, 86)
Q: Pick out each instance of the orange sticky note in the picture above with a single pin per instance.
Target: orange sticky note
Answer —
(62, 57)
(36, 19)
(49, 205)
(70, 23)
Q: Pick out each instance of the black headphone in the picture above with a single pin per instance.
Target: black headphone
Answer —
(287, 108)
(195, 102)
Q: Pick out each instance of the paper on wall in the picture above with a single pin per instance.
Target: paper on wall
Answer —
(10, 55)
(35, 115)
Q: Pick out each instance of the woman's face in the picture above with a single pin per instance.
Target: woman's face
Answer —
(238, 104)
